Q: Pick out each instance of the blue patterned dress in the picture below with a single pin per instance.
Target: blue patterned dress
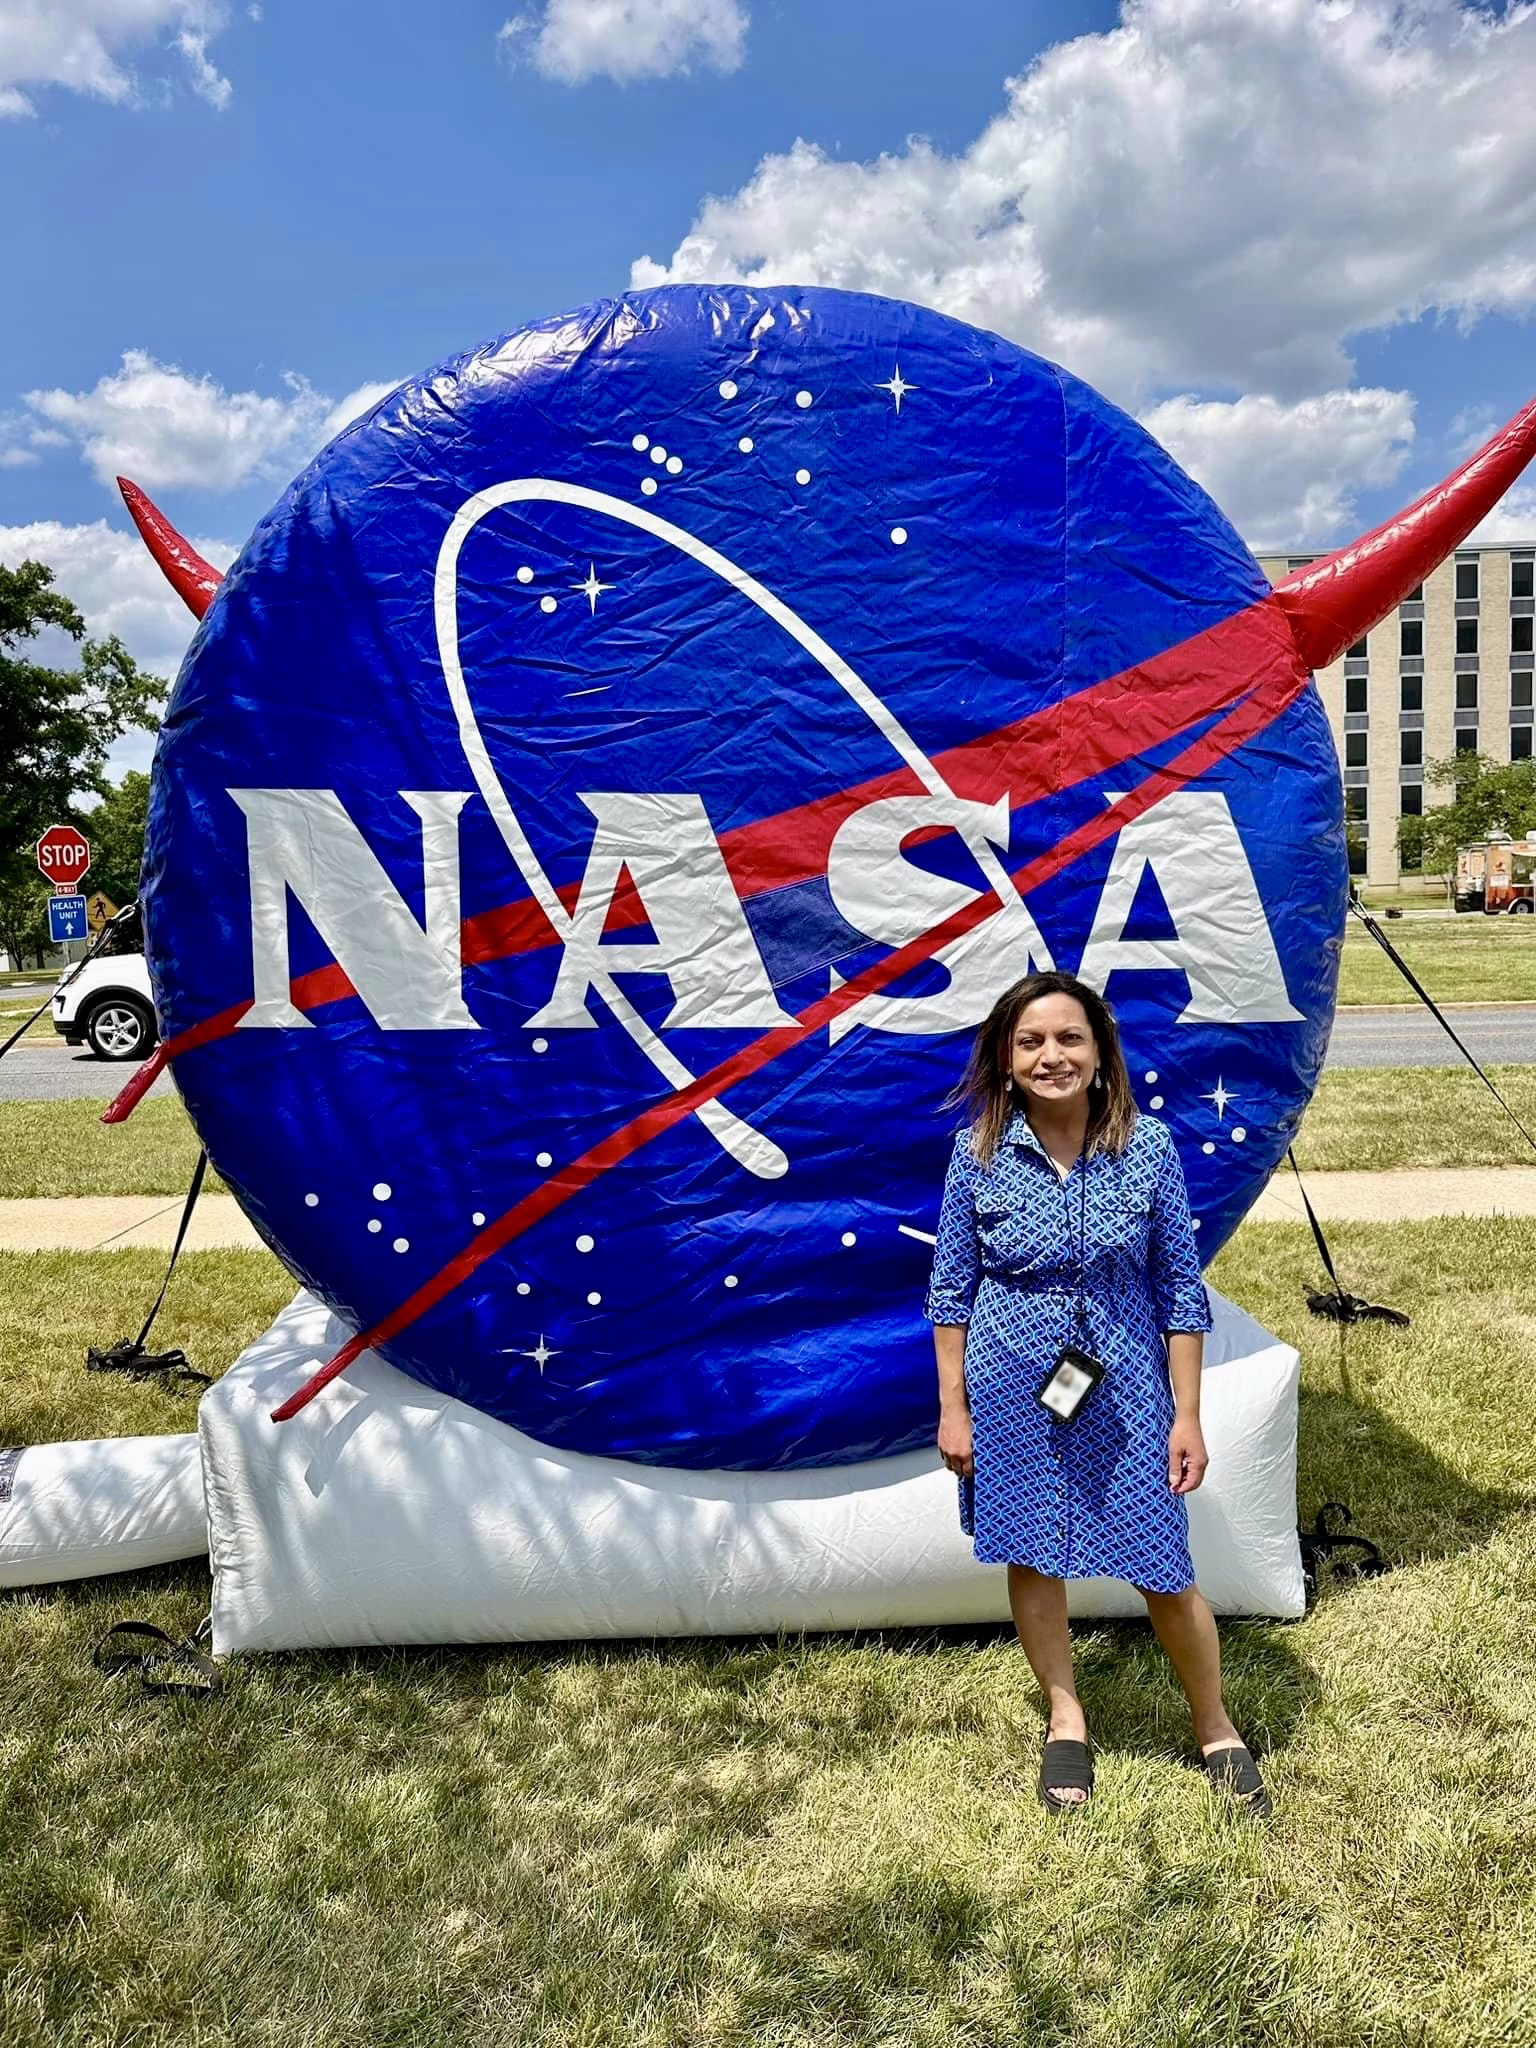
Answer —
(1090, 1496)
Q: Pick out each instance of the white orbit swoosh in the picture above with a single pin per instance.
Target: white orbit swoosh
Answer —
(745, 1144)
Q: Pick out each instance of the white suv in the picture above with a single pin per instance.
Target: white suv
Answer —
(107, 1004)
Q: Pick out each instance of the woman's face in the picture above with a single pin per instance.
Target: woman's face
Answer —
(1054, 1056)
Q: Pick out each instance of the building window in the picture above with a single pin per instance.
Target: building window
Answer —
(1520, 743)
(1466, 635)
(1411, 636)
(1522, 579)
(1413, 692)
(1520, 690)
(1355, 745)
(1466, 693)
(1412, 794)
(1466, 740)
(1520, 641)
(1466, 579)
(1355, 697)
(1416, 595)
(1354, 805)
(1359, 651)
(1412, 749)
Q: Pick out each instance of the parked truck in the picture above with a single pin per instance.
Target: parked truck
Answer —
(1497, 873)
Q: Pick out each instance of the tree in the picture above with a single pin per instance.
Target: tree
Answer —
(1410, 842)
(56, 725)
(23, 912)
(116, 832)
(1484, 796)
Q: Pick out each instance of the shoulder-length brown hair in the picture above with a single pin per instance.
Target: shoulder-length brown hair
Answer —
(986, 1090)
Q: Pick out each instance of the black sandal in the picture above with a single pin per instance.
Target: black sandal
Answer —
(1232, 1770)
(1064, 1762)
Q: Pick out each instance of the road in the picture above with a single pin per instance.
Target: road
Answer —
(1410, 1037)
(45, 1069)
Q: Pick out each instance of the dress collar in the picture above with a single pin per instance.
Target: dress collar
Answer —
(1018, 1131)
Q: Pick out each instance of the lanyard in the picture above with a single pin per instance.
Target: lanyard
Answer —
(1081, 1162)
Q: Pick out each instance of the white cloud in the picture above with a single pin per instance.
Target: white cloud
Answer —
(1286, 475)
(109, 575)
(85, 46)
(1512, 519)
(168, 430)
(574, 40)
(1211, 196)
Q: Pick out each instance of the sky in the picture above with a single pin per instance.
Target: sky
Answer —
(1297, 238)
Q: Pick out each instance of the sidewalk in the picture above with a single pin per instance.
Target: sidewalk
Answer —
(96, 1223)
(114, 1223)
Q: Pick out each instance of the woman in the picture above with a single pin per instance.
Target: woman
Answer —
(1065, 1223)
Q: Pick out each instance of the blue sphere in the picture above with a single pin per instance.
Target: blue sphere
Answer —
(606, 710)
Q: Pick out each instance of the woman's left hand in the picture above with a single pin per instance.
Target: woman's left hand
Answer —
(1187, 1458)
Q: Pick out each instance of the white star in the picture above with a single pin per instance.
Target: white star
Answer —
(541, 1355)
(1220, 1097)
(898, 387)
(591, 590)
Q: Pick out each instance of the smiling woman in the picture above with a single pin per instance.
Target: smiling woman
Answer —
(1066, 1293)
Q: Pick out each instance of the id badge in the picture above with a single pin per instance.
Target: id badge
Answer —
(1069, 1383)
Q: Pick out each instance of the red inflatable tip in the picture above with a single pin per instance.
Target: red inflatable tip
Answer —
(127, 1100)
(193, 579)
(1331, 604)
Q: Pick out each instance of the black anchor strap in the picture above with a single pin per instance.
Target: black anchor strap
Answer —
(129, 1356)
(1339, 1306)
(163, 1664)
(1359, 910)
(1324, 1542)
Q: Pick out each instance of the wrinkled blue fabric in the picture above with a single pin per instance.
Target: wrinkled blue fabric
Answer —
(1046, 545)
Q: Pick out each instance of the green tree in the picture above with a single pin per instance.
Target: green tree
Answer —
(23, 912)
(1410, 843)
(1482, 796)
(116, 832)
(56, 725)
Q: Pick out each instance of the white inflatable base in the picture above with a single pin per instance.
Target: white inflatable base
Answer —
(77, 1510)
(385, 1513)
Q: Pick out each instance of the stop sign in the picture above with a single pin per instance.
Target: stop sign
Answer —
(63, 854)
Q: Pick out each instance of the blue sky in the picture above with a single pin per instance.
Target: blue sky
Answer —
(1297, 236)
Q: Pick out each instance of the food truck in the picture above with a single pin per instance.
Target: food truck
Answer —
(1496, 873)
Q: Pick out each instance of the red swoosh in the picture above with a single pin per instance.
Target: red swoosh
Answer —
(1282, 682)
(1086, 734)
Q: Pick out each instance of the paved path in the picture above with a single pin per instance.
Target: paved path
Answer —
(1500, 1034)
(117, 1222)
(1407, 1194)
(114, 1223)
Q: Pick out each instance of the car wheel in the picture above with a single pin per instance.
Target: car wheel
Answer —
(1520, 909)
(120, 1029)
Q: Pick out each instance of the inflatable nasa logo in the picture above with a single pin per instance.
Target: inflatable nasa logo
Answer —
(615, 780)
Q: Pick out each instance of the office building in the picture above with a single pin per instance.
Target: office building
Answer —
(1449, 671)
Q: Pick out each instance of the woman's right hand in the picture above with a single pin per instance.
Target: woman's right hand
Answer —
(955, 1445)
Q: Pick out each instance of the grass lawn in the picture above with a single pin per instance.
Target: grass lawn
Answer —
(1370, 1118)
(1461, 960)
(818, 1840)
(63, 1148)
(13, 1013)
